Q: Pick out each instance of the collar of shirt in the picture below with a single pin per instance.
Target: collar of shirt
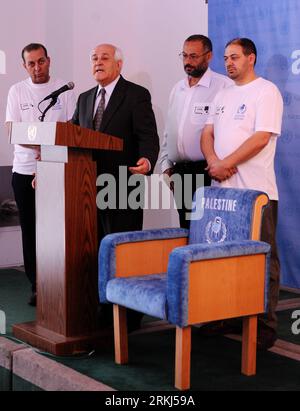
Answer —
(204, 81)
(40, 85)
(108, 92)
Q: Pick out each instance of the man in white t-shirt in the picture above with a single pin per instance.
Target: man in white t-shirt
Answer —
(189, 106)
(23, 105)
(239, 142)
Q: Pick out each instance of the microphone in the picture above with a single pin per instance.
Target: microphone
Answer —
(64, 88)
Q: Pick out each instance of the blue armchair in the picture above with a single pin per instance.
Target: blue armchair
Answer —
(216, 270)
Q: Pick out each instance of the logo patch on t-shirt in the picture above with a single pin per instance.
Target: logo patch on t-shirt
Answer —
(201, 109)
(240, 115)
(58, 105)
(26, 106)
(220, 110)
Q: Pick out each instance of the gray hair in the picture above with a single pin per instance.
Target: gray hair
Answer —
(118, 52)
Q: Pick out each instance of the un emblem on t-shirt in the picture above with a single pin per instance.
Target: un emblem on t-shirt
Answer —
(242, 109)
(240, 114)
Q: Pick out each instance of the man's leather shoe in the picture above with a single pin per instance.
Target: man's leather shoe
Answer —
(32, 300)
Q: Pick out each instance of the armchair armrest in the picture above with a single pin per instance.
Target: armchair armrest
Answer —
(137, 253)
(183, 260)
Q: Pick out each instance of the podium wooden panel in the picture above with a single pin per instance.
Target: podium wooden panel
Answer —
(66, 236)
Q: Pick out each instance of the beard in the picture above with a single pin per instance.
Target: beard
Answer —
(232, 73)
(195, 71)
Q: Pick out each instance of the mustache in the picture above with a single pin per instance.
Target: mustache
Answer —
(189, 66)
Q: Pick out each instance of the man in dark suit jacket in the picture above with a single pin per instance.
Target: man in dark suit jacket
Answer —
(123, 110)
(127, 114)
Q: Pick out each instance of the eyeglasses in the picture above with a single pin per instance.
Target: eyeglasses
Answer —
(193, 57)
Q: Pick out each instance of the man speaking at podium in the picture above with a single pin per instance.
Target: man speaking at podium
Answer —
(122, 109)
(23, 105)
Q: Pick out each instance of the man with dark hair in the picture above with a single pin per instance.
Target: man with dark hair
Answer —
(206, 42)
(189, 106)
(247, 45)
(32, 47)
(241, 134)
(22, 105)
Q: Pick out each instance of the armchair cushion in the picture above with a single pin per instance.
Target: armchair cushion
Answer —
(107, 251)
(145, 294)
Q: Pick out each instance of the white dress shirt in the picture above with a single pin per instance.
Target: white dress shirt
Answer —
(108, 92)
(188, 111)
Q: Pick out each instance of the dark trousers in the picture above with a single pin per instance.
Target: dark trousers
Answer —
(268, 234)
(183, 204)
(25, 199)
(114, 221)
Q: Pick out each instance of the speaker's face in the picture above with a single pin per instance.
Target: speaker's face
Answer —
(105, 67)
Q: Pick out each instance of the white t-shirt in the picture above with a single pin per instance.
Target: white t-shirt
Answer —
(22, 105)
(239, 112)
(188, 110)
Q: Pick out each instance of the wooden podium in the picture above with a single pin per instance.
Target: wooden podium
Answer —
(66, 236)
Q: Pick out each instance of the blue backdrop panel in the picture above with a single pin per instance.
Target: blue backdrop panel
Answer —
(274, 27)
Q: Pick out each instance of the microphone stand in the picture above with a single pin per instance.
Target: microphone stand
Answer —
(52, 103)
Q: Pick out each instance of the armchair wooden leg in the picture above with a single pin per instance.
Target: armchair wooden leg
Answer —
(120, 335)
(183, 358)
(249, 345)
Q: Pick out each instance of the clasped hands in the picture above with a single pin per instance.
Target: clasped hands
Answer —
(220, 170)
